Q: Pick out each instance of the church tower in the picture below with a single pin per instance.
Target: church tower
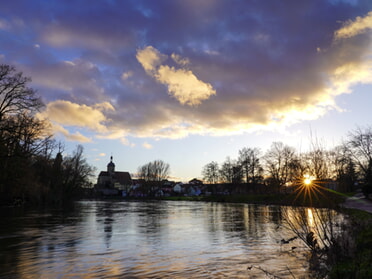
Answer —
(111, 167)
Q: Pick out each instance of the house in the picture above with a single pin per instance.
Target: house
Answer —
(177, 188)
(110, 182)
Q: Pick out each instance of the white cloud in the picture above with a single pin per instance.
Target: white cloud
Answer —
(72, 114)
(179, 60)
(150, 58)
(63, 114)
(126, 142)
(352, 28)
(77, 136)
(147, 145)
(182, 84)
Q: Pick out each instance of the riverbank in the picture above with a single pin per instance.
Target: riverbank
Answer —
(324, 199)
(358, 201)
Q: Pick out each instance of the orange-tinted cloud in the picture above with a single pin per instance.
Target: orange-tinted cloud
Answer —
(182, 83)
(179, 68)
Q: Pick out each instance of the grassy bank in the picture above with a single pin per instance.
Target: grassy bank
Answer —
(356, 261)
(326, 199)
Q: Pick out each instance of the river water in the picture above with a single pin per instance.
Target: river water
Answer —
(152, 239)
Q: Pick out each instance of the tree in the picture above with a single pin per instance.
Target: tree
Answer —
(211, 172)
(155, 171)
(360, 145)
(15, 96)
(23, 138)
(24, 134)
(318, 161)
(279, 159)
(250, 164)
(153, 174)
(343, 167)
(76, 173)
(226, 172)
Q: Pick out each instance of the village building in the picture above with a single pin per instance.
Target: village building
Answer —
(111, 182)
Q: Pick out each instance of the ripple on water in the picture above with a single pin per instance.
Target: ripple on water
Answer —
(109, 239)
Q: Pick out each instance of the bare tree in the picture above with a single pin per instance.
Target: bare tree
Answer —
(155, 171)
(227, 170)
(250, 164)
(26, 135)
(15, 96)
(360, 144)
(279, 159)
(211, 172)
(318, 161)
(343, 167)
(77, 172)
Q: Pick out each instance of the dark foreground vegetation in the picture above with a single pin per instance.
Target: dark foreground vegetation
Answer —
(32, 168)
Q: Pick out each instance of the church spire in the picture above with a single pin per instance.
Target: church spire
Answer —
(111, 166)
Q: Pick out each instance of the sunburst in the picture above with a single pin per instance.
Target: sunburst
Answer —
(308, 187)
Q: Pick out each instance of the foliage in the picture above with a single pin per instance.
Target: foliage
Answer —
(354, 262)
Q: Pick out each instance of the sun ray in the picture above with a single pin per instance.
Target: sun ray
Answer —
(308, 187)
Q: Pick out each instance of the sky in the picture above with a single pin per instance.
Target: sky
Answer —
(190, 82)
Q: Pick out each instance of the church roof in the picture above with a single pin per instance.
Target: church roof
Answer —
(123, 177)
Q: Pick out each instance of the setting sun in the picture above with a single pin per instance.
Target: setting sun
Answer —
(307, 180)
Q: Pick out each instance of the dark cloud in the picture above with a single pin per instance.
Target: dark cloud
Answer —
(268, 62)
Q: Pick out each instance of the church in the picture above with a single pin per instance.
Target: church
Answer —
(110, 182)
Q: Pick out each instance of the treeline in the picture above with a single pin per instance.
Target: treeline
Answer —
(347, 165)
(32, 168)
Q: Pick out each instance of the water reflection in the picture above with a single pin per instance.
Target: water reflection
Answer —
(168, 239)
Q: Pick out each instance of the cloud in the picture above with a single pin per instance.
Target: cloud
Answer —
(67, 114)
(355, 27)
(179, 60)
(150, 58)
(182, 84)
(126, 75)
(77, 80)
(77, 136)
(272, 66)
(147, 145)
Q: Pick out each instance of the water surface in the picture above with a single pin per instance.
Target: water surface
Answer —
(156, 239)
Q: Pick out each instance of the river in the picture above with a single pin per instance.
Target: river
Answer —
(150, 239)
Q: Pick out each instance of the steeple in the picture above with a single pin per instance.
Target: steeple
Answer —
(111, 167)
